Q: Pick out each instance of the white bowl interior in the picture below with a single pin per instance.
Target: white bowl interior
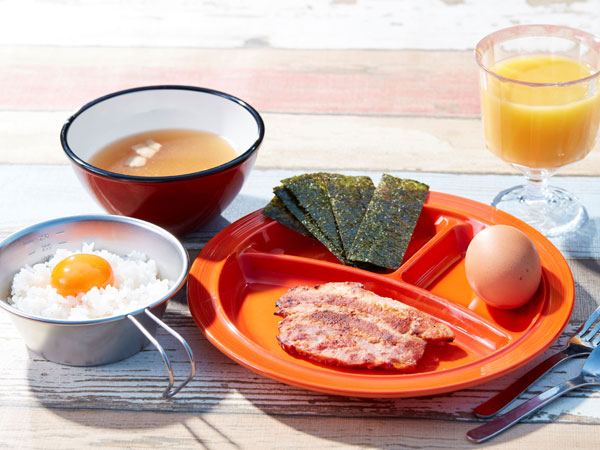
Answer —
(166, 108)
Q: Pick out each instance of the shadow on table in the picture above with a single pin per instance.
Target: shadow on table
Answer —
(587, 297)
(581, 249)
(242, 205)
(382, 423)
(408, 422)
(433, 422)
(135, 384)
(583, 242)
(126, 395)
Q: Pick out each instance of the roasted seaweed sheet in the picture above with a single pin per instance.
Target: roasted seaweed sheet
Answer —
(361, 225)
(310, 191)
(277, 210)
(292, 204)
(349, 197)
(389, 222)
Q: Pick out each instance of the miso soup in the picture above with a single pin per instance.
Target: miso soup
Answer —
(164, 153)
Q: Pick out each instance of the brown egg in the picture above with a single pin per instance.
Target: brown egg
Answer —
(503, 266)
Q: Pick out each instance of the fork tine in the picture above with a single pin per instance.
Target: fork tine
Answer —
(588, 323)
(592, 333)
(596, 340)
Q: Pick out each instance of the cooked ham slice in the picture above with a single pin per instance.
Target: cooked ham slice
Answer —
(343, 324)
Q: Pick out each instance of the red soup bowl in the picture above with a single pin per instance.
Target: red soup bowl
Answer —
(179, 203)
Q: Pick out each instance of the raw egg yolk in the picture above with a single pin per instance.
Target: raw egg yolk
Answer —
(79, 273)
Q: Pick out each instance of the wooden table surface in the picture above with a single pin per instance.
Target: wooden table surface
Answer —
(346, 85)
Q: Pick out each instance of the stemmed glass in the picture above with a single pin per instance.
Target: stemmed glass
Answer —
(540, 102)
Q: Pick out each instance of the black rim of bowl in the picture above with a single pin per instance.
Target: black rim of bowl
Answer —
(119, 176)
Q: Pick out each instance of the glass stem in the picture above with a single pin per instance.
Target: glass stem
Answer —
(536, 187)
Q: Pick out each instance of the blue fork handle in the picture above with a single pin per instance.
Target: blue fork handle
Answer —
(510, 393)
(506, 420)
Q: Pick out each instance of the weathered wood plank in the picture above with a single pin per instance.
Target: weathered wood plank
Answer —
(305, 142)
(379, 24)
(23, 185)
(41, 428)
(222, 386)
(298, 81)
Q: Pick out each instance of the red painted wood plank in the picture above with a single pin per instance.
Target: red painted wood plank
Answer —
(336, 82)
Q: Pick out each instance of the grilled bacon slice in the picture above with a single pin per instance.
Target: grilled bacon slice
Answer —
(343, 324)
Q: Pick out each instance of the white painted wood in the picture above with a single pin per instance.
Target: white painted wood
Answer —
(222, 385)
(74, 429)
(24, 185)
(346, 24)
(313, 142)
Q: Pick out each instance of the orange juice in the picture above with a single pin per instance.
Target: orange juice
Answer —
(540, 126)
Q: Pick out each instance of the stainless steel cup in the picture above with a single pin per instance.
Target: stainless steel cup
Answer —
(98, 341)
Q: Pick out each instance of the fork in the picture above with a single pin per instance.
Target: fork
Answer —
(590, 375)
(579, 344)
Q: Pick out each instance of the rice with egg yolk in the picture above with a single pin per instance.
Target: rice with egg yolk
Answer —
(136, 285)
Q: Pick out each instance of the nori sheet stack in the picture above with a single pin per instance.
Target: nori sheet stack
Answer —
(292, 204)
(349, 197)
(277, 210)
(310, 190)
(389, 222)
(362, 226)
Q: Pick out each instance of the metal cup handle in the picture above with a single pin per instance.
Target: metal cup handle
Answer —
(169, 391)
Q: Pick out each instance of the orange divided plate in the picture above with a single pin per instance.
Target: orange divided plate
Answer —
(239, 275)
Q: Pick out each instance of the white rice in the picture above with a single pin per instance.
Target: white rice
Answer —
(136, 284)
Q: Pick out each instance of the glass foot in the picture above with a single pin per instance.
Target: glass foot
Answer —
(552, 211)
